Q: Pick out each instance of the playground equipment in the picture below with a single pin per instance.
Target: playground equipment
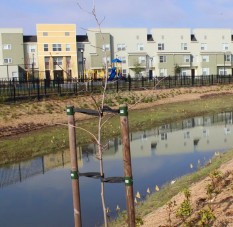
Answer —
(115, 71)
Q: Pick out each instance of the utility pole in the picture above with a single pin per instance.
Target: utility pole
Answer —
(74, 166)
(127, 165)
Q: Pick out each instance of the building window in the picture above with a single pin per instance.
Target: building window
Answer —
(203, 46)
(67, 34)
(160, 46)
(142, 60)
(184, 72)
(205, 71)
(225, 46)
(67, 47)
(57, 61)
(162, 59)
(205, 58)
(123, 59)
(15, 75)
(7, 60)
(68, 62)
(184, 46)
(32, 49)
(45, 33)
(106, 47)
(46, 60)
(163, 72)
(56, 47)
(124, 72)
(46, 47)
(6, 46)
(140, 46)
(227, 57)
(186, 58)
(222, 71)
(121, 47)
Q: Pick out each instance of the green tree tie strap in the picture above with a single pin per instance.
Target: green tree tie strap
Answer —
(70, 110)
(74, 175)
(123, 111)
(128, 181)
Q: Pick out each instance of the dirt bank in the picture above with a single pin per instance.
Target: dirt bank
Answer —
(30, 118)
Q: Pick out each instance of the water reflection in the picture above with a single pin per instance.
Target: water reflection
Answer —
(159, 155)
(197, 134)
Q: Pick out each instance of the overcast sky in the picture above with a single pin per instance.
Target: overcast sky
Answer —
(117, 13)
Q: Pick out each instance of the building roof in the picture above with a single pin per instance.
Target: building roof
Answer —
(29, 38)
(81, 38)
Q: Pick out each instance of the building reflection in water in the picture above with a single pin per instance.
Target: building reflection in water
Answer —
(198, 134)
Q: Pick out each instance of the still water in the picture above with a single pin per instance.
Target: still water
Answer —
(38, 192)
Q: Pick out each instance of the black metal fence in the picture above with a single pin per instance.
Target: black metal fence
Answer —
(12, 90)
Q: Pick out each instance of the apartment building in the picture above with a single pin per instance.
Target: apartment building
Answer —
(11, 53)
(160, 53)
(57, 51)
(130, 45)
(31, 57)
(213, 51)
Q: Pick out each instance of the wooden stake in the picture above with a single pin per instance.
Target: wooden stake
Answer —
(74, 166)
(127, 165)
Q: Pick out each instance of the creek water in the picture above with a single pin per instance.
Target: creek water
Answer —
(38, 192)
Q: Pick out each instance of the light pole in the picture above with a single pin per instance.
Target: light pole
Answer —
(82, 65)
(33, 67)
(224, 58)
(84, 68)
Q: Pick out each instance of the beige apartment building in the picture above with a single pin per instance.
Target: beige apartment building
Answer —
(195, 52)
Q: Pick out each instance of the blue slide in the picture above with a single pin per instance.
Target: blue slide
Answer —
(112, 74)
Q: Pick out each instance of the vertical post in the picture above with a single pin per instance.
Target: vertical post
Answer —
(82, 72)
(74, 166)
(117, 85)
(45, 86)
(127, 165)
(38, 89)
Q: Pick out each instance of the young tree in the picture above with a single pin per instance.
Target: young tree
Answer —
(137, 69)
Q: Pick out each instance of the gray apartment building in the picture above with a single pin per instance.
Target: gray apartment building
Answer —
(11, 53)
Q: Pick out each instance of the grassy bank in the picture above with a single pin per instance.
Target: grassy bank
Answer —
(162, 197)
(56, 138)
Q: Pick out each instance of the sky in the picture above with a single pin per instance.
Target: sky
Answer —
(116, 13)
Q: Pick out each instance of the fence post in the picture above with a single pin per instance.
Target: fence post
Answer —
(129, 78)
(74, 166)
(117, 85)
(14, 91)
(38, 89)
(45, 87)
(142, 81)
(127, 165)
(212, 78)
(92, 85)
